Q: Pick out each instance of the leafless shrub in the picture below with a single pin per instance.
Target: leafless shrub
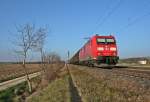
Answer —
(53, 58)
(41, 33)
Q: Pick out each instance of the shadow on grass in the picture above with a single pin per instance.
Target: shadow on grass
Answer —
(75, 97)
(121, 66)
(74, 93)
(111, 67)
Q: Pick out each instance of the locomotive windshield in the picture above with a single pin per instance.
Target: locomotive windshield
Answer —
(110, 40)
(101, 40)
(105, 40)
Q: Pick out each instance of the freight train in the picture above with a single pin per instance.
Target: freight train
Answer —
(98, 50)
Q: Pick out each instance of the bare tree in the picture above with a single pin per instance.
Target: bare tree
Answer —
(41, 33)
(53, 58)
(28, 39)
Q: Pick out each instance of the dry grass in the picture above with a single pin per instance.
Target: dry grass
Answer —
(102, 87)
(51, 72)
(56, 91)
(10, 71)
(93, 85)
(38, 83)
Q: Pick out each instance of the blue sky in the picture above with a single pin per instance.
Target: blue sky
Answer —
(70, 21)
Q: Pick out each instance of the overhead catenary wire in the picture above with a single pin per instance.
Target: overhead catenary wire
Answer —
(105, 18)
(136, 20)
(102, 17)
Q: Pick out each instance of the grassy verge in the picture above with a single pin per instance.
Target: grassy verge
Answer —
(61, 89)
(97, 90)
(57, 91)
(10, 94)
(19, 92)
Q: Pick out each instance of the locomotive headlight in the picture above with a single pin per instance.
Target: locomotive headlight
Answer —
(113, 49)
(100, 48)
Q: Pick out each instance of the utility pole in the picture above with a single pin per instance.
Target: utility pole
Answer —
(68, 55)
(67, 61)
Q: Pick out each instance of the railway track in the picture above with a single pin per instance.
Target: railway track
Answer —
(139, 74)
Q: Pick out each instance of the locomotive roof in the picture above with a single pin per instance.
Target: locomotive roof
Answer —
(107, 36)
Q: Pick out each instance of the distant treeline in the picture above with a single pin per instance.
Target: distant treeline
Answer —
(135, 60)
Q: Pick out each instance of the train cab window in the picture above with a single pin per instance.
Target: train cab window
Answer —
(101, 40)
(110, 40)
(105, 40)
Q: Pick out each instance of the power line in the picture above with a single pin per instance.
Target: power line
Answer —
(108, 15)
(135, 21)
(98, 20)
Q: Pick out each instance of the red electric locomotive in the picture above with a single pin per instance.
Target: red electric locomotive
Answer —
(98, 50)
